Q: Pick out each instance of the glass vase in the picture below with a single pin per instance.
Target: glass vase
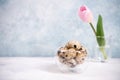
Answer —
(102, 51)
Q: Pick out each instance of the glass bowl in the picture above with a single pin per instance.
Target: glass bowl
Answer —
(79, 68)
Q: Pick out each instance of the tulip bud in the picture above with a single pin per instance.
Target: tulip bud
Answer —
(85, 14)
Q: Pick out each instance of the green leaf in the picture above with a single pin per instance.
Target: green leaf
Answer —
(100, 32)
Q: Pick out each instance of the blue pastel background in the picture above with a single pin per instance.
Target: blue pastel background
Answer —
(40, 27)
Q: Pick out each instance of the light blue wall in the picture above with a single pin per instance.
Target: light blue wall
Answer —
(40, 27)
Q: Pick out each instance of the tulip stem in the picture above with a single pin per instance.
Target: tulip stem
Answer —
(103, 52)
(93, 28)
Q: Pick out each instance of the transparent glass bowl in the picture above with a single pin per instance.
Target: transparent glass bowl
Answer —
(77, 69)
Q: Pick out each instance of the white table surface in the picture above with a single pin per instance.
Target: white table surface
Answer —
(39, 68)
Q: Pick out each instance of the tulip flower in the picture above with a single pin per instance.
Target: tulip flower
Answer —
(86, 15)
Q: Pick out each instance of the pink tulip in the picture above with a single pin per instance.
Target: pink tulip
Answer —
(85, 14)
